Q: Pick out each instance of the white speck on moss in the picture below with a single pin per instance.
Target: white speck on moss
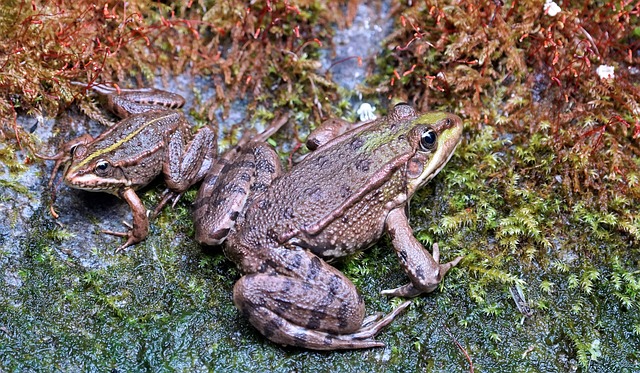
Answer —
(366, 112)
(605, 72)
(551, 8)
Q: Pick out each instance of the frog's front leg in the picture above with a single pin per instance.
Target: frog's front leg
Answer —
(327, 131)
(306, 302)
(140, 228)
(424, 271)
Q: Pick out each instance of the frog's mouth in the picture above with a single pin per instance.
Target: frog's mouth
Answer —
(90, 182)
(431, 172)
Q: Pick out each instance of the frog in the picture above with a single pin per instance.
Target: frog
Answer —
(153, 137)
(284, 229)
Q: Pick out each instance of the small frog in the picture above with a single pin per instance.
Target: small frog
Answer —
(152, 138)
(280, 228)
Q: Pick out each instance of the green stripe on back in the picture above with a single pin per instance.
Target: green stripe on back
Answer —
(119, 143)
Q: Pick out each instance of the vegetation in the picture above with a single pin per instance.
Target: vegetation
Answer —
(547, 177)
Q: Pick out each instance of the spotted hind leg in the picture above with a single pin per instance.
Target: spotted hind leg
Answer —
(315, 307)
(224, 193)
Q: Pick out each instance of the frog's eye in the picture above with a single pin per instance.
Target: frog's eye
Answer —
(102, 167)
(428, 141)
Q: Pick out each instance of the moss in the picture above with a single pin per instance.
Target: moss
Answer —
(274, 45)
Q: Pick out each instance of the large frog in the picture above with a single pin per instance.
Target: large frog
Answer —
(280, 228)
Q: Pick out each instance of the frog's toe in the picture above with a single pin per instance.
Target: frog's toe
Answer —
(130, 240)
(114, 233)
(371, 319)
(405, 291)
(371, 329)
(435, 252)
(167, 196)
(122, 247)
(444, 268)
(132, 236)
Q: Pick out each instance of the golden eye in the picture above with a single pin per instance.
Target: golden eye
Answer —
(101, 167)
(428, 141)
(399, 105)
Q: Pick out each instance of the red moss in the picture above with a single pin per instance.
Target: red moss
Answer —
(515, 67)
(242, 46)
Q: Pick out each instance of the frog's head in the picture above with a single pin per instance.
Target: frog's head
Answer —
(434, 136)
(88, 170)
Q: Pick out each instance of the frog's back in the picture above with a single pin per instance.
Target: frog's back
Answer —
(141, 132)
(318, 188)
(145, 137)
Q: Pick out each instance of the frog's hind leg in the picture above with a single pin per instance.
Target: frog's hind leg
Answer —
(223, 196)
(321, 309)
(186, 166)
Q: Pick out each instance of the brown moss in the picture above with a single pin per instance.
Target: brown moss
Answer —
(524, 72)
(243, 47)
